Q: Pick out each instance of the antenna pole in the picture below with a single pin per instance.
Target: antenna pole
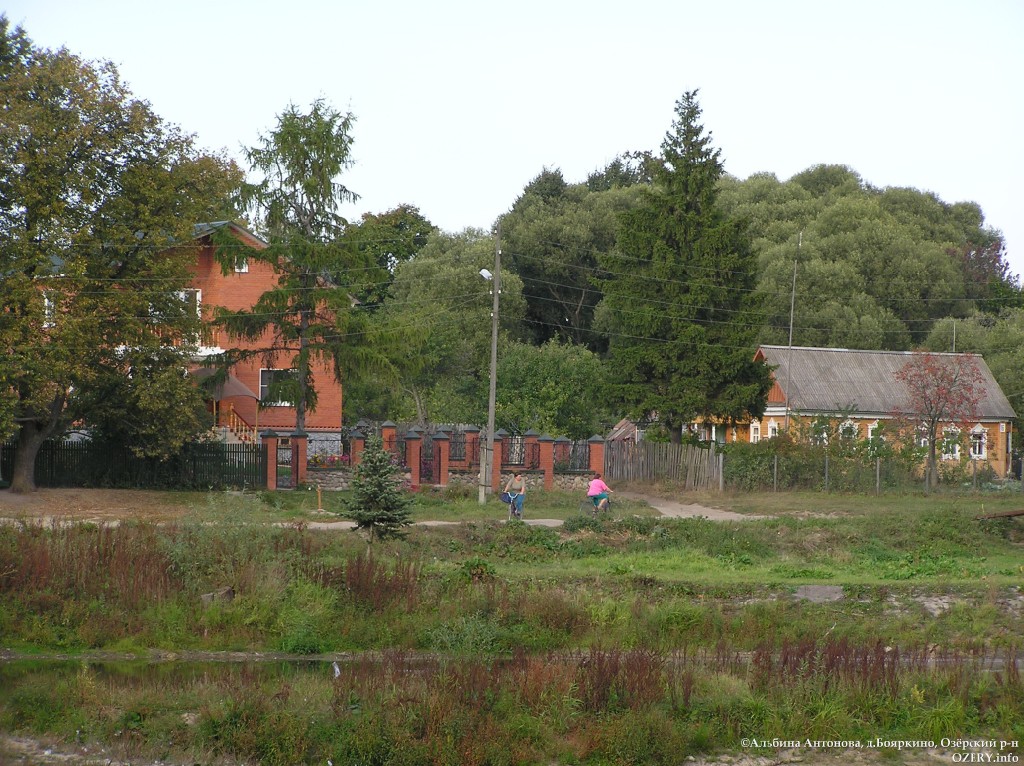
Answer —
(792, 310)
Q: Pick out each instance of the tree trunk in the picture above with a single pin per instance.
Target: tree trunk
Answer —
(302, 372)
(30, 439)
(675, 432)
(931, 474)
(31, 435)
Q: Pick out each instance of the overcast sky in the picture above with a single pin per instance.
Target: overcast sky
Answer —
(459, 104)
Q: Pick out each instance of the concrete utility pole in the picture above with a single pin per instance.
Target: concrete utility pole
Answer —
(487, 447)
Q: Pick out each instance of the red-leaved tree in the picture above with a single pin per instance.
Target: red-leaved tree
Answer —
(940, 389)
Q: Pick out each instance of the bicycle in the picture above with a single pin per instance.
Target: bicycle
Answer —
(513, 509)
(588, 505)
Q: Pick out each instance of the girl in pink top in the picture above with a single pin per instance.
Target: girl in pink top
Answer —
(598, 492)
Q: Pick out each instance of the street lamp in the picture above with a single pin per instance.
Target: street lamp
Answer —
(487, 458)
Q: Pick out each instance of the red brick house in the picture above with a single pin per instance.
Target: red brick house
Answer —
(241, 404)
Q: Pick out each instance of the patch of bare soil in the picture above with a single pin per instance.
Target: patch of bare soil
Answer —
(100, 505)
(677, 510)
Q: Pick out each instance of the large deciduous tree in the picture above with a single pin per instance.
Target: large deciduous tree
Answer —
(557, 389)
(679, 300)
(440, 309)
(552, 238)
(389, 239)
(943, 390)
(311, 316)
(94, 189)
(877, 268)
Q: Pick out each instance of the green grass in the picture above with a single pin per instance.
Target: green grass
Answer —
(915, 572)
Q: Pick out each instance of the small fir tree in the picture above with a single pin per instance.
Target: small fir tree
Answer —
(379, 503)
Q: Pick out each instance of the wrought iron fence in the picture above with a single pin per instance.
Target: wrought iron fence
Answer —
(579, 456)
(457, 446)
(518, 453)
(328, 450)
(90, 464)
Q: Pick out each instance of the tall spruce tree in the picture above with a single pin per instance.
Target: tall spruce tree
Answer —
(378, 504)
(679, 303)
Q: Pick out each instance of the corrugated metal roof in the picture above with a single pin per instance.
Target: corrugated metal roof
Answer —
(833, 379)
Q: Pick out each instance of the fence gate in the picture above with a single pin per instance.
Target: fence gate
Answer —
(430, 464)
(284, 464)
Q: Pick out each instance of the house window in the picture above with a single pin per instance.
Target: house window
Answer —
(193, 300)
(275, 386)
(755, 433)
(979, 442)
(819, 433)
(773, 429)
(848, 430)
(241, 265)
(951, 443)
(922, 436)
(873, 431)
(49, 311)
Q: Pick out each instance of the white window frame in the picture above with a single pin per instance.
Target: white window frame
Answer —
(198, 293)
(755, 432)
(265, 386)
(49, 311)
(849, 429)
(242, 265)
(872, 428)
(953, 432)
(773, 429)
(979, 438)
(819, 437)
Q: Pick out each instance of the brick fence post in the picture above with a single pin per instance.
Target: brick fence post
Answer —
(413, 443)
(357, 443)
(389, 436)
(596, 448)
(547, 460)
(269, 440)
(300, 447)
(472, 448)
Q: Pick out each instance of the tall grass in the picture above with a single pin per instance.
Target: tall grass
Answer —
(593, 707)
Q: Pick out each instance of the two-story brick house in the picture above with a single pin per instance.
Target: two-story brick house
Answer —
(241, 404)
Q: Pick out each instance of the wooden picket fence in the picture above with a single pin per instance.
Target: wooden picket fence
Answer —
(689, 465)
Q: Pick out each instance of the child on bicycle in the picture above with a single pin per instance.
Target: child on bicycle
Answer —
(598, 492)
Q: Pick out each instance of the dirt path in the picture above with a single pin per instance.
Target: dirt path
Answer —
(676, 510)
(111, 506)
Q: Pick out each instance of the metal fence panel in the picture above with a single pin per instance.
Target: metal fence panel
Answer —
(197, 466)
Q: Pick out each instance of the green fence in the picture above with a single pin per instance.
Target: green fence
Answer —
(776, 464)
(197, 466)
